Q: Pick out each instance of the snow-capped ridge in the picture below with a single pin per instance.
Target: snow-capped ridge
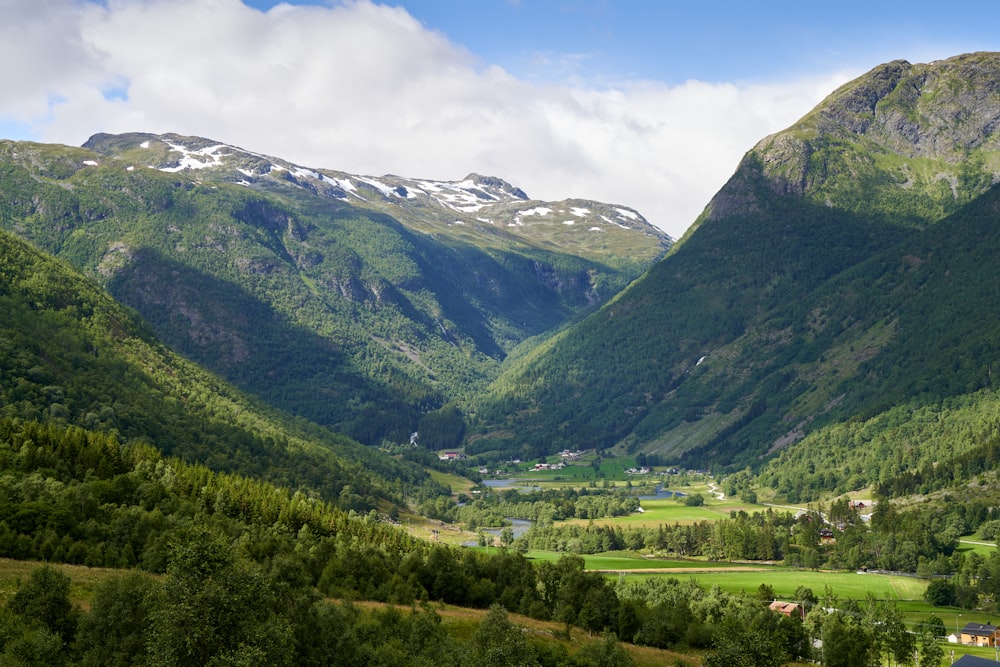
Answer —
(475, 200)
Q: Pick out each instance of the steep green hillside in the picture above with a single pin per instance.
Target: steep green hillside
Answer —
(69, 354)
(806, 294)
(317, 301)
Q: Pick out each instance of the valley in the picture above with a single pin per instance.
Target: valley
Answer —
(254, 412)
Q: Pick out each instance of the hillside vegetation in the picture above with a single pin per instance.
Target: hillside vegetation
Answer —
(69, 354)
(842, 273)
(325, 307)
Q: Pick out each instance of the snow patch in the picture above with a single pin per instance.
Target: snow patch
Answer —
(569, 222)
(199, 159)
(538, 210)
(430, 186)
(144, 144)
(90, 163)
(345, 184)
(625, 213)
(379, 185)
(580, 212)
(306, 173)
(594, 229)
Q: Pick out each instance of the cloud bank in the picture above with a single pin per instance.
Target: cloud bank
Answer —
(365, 88)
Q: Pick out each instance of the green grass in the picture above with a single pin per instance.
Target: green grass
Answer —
(619, 561)
(785, 581)
(456, 483)
(670, 511)
(973, 544)
(83, 580)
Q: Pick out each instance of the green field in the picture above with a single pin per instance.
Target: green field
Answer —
(971, 543)
(737, 577)
(784, 581)
(618, 561)
(670, 511)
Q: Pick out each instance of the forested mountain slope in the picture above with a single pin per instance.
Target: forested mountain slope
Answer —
(838, 273)
(71, 355)
(358, 303)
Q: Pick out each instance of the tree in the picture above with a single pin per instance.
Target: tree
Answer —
(694, 500)
(845, 642)
(606, 653)
(940, 593)
(216, 607)
(114, 632)
(746, 645)
(935, 626)
(500, 643)
(889, 634)
(26, 644)
(765, 593)
(45, 599)
(806, 598)
(931, 654)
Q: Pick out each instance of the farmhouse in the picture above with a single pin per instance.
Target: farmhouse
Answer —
(789, 609)
(979, 634)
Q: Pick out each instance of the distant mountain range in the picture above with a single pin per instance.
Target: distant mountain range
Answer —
(359, 303)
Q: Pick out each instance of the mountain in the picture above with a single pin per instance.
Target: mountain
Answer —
(843, 272)
(72, 356)
(359, 303)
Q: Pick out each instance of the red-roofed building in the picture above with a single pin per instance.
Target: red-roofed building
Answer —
(789, 609)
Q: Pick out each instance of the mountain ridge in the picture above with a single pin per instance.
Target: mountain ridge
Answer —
(473, 199)
(360, 318)
(736, 345)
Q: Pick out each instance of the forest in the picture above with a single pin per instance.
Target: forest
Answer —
(196, 543)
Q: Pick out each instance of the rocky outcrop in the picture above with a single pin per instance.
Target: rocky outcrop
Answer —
(931, 129)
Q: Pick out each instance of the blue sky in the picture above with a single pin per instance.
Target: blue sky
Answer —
(649, 104)
(673, 41)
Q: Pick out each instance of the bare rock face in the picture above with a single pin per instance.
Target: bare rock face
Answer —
(939, 110)
(931, 129)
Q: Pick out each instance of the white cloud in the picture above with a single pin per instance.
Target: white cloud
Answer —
(365, 88)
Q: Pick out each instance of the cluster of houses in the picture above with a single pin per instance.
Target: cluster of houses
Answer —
(973, 634)
(977, 634)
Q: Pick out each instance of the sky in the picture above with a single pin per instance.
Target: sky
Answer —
(644, 103)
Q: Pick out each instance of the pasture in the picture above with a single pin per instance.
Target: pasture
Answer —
(670, 511)
(743, 577)
(616, 561)
(785, 581)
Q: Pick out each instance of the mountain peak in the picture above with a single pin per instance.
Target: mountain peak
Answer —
(897, 131)
(492, 183)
